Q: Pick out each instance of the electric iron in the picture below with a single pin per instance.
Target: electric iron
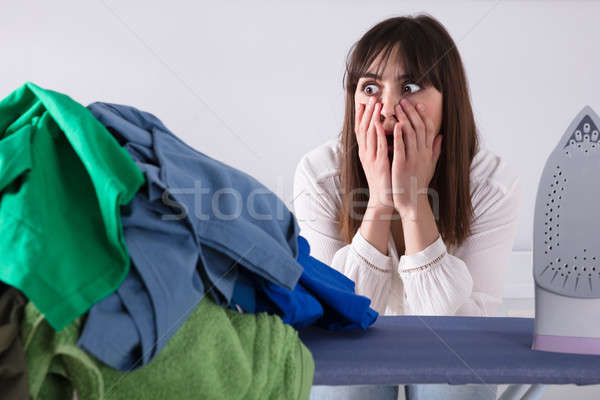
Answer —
(566, 242)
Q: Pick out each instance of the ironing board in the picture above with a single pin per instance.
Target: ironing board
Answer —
(406, 349)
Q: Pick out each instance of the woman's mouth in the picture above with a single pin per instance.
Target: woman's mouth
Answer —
(390, 140)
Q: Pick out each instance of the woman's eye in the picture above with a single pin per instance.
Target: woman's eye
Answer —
(370, 89)
(415, 85)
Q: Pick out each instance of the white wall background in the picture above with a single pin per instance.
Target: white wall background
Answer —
(259, 83)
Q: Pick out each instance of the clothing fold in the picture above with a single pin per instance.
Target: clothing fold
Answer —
(217, 354)
(63, 178)
(323, 297)
(182, 240)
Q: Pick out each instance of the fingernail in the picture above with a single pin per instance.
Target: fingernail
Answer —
(420, 106)
(404, 102)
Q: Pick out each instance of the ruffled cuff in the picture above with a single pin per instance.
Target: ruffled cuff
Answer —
(439, 290)
(423, 259)
(374, 258)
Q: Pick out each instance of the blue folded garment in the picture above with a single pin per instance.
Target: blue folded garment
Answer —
(344, 309)
(180, 244)
(323, 297)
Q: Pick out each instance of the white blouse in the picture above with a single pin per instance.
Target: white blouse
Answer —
(467, 280)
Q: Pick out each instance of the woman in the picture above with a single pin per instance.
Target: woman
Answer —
(405, 202)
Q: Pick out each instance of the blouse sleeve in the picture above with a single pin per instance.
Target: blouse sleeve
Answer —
(315, 207)
(470, 282)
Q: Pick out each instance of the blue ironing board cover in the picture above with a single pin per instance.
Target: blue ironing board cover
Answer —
(442, 349)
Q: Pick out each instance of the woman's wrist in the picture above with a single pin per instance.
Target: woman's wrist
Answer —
(379, 209)
(419, 227)
(418, 209)
(375, 226)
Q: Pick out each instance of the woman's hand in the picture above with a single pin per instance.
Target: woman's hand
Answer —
(415, 157)
(373, 154)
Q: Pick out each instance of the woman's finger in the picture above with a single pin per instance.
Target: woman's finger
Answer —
(410, 140)
(437, 147)
(428, 125)
(366, 118)
(399, 152)
(371, 133)
(382, 146)
(417, 123)
(360, 110)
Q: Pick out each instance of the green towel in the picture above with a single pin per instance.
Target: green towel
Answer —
(218, 353)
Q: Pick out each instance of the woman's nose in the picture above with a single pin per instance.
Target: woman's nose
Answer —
(388, 110)
(389, 99)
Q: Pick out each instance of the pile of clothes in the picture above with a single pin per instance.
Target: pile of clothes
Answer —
(134, 266)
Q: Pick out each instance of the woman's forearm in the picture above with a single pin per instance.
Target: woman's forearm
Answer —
(375, 227)
(419, 227)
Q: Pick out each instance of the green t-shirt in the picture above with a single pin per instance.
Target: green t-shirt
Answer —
(63, 178)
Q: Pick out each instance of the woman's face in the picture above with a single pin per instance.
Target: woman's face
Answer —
(389, 90)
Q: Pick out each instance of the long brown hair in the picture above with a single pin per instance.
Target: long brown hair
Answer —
(430, 56)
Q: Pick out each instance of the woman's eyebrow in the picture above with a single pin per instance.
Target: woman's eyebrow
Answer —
(378, 77)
